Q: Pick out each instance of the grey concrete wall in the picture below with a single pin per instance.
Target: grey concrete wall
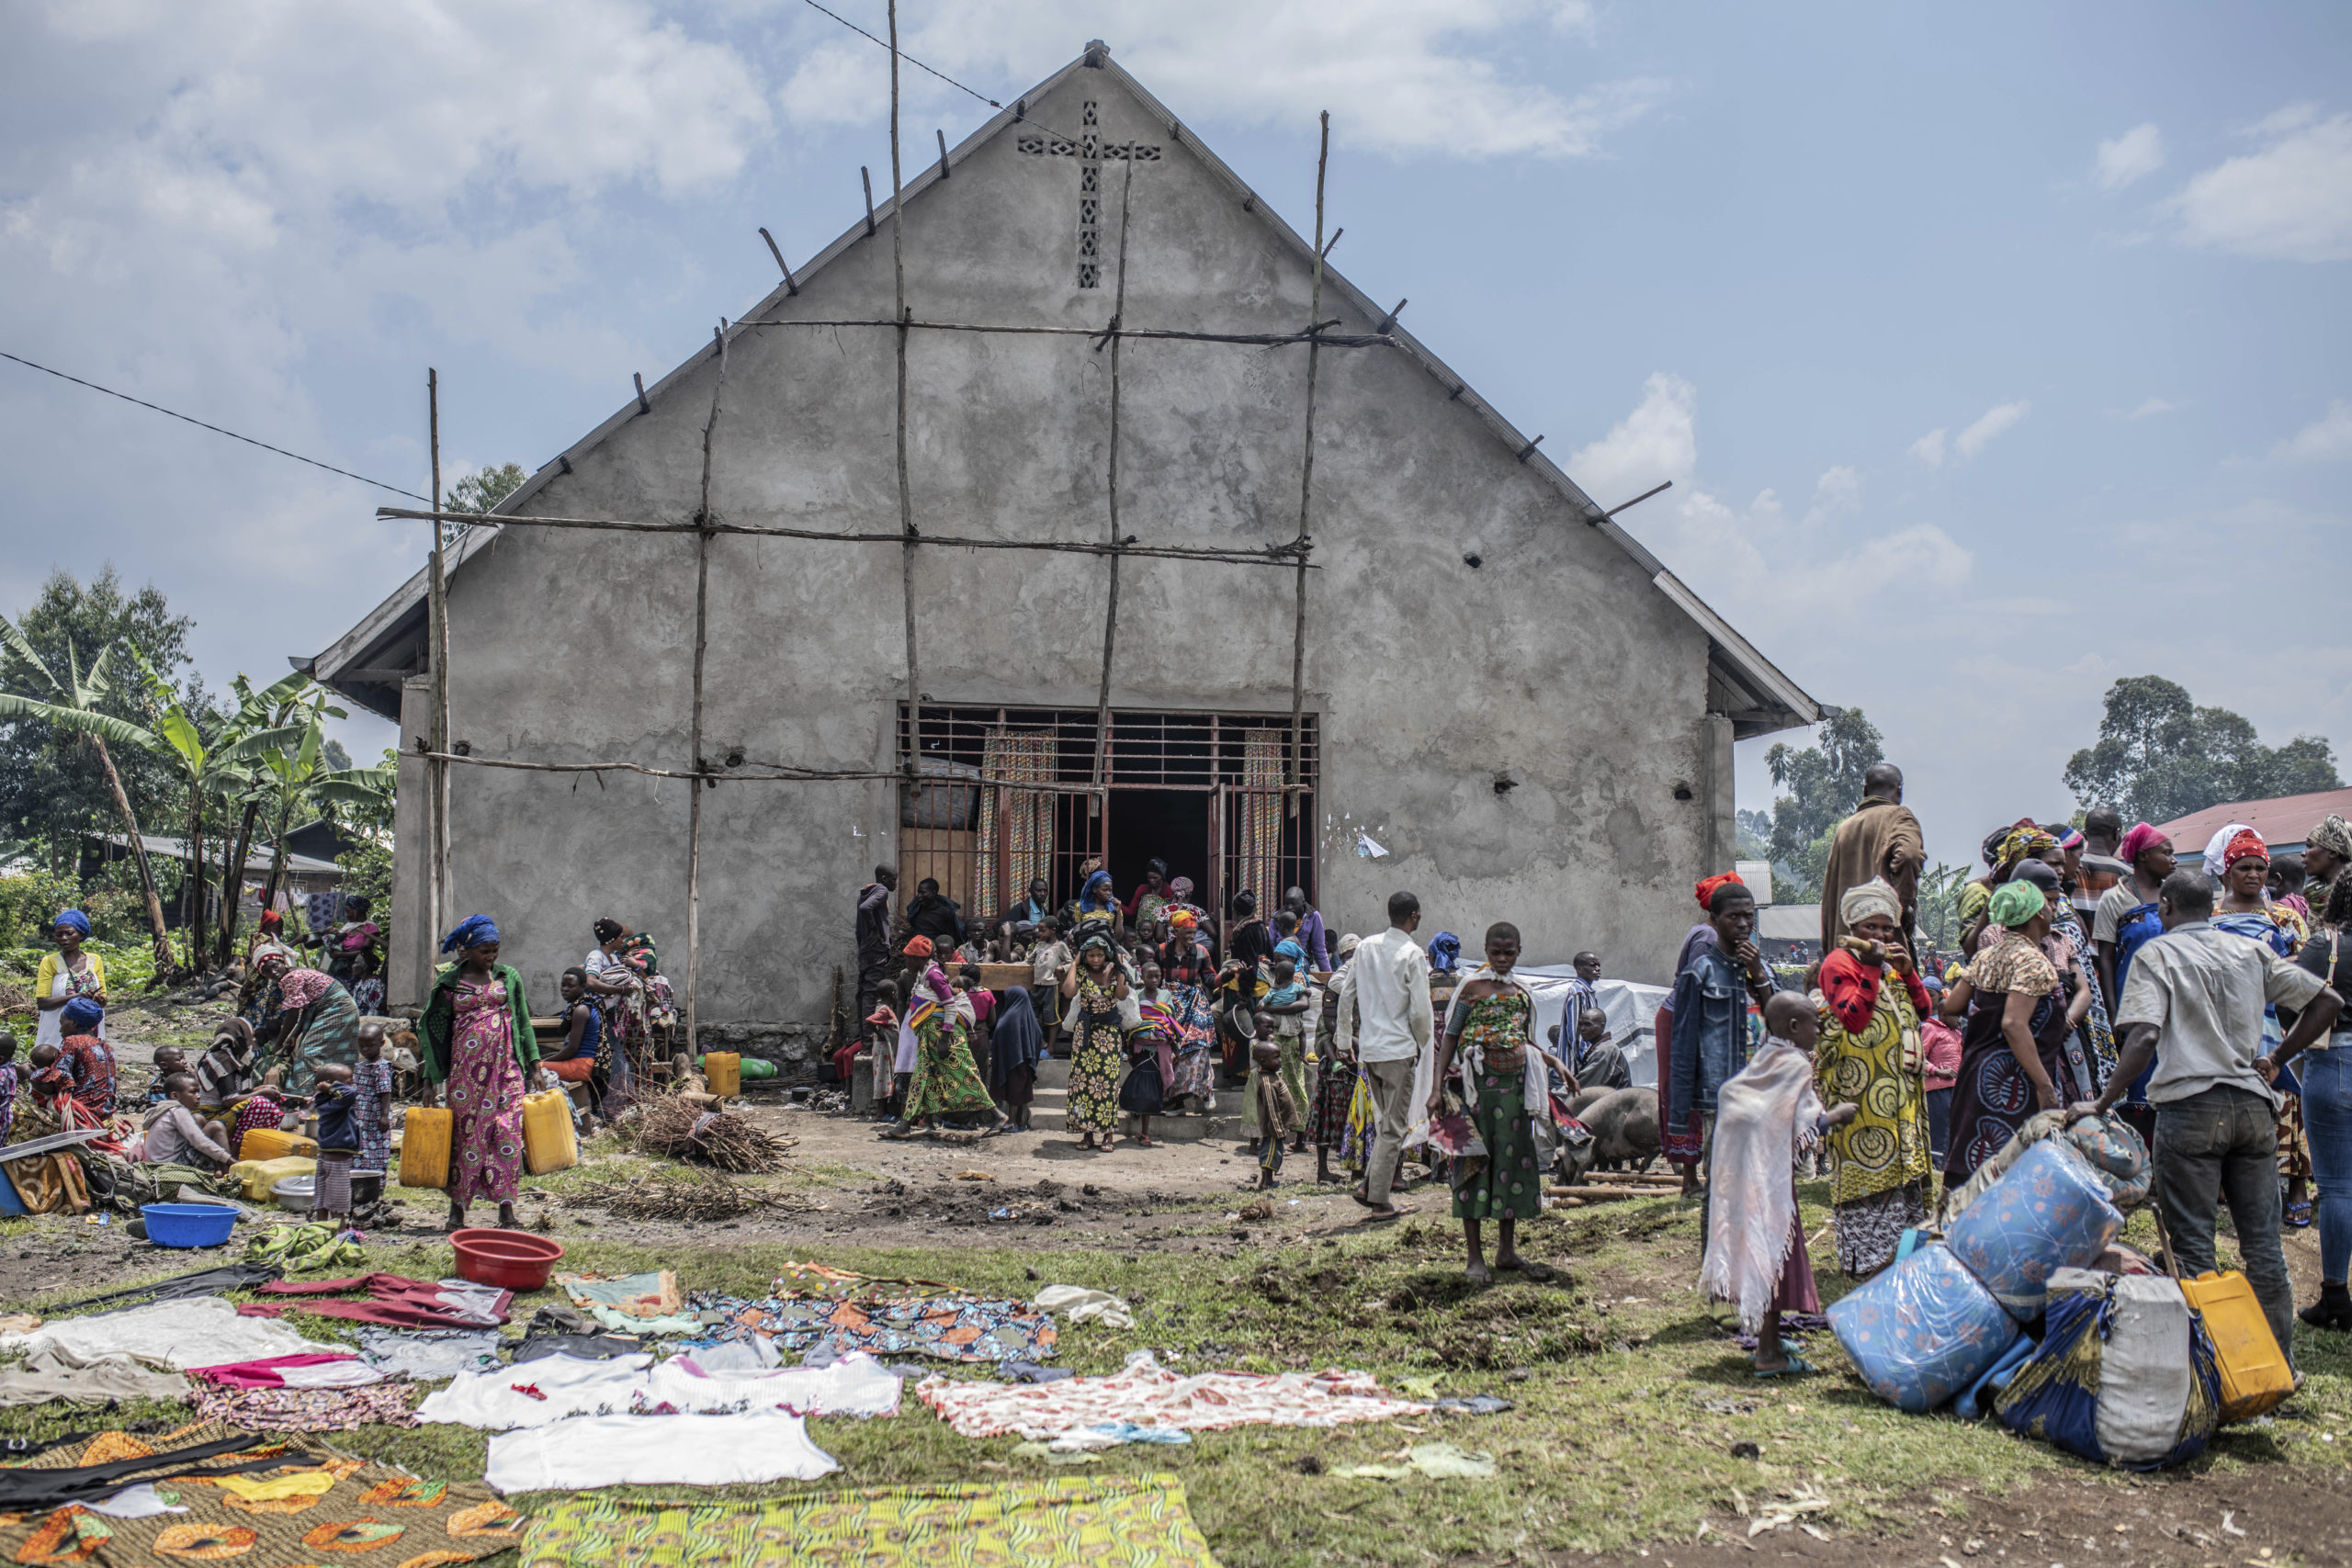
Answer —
(1554, 661)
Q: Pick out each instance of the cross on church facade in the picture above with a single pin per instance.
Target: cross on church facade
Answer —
(1090, 151)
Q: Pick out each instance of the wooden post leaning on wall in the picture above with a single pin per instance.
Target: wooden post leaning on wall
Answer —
(701, 769)
(1307, 487)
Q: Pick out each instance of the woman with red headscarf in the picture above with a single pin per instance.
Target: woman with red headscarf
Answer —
(1685, 1145)
(2247, 908)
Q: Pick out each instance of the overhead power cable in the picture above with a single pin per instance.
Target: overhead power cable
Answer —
(216, 430)
(905, 56)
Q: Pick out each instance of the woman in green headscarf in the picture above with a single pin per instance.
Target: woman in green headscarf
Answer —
(2021, 1013)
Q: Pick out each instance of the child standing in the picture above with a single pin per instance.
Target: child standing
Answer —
(1276, 1112)
(1047, 962)
(1286, 1005)
(882, 1048)
(335, 1124)
(1766, 1114)
(371, 1088)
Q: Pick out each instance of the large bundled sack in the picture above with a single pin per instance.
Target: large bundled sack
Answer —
(2051, 1211)
(1923, 1330)
(2126, 1374)
(2108, 1143)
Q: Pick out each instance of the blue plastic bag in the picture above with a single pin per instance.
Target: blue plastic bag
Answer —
(1923, 1330)
(2051, 1211)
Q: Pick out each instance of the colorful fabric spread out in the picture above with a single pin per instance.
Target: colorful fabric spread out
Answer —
(1149, 1395)
(393, 1302)
(625, 1300)
(841, 1285)
(269, 1517)
(309, 1409)
(1099, 1521)
(947, 1328)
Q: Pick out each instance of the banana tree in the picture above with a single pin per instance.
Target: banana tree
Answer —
(292, 779)
(72, 704)
(272, 708)
(205, 768)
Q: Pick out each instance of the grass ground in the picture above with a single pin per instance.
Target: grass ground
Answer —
(1627, 1400)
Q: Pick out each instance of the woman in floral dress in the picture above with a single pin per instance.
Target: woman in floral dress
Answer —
(1186, 966)
(478, 1038)
(1094, 988)
(1490, 1032)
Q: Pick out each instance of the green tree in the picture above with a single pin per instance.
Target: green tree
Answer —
(53, 784)
(1823, 786)
(69, 707)
(2160, 757)
(484, 488)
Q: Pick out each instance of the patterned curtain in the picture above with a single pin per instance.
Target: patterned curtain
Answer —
(1019, 822)
(1258, 808)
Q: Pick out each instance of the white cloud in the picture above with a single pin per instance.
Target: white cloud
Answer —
(1658, 441)
(2151, 408)
(1399, 76)
(1836, 493)
(2290, 201)
(2134, 155)
(1929, 449)
(1989, 424)
(2325, 439)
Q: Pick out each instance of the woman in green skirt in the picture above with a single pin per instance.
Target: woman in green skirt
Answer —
(1490, 1033)
(947, 1082)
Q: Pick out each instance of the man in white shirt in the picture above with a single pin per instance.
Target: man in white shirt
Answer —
(1385, 1010)
(2200, 993)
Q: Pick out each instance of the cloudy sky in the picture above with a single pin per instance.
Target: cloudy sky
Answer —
(1996, 350)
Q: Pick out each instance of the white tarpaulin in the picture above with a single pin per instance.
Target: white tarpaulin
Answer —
(1631, 1008)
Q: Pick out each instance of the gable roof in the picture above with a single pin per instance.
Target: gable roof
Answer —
(2283, 821)
(1743, 685)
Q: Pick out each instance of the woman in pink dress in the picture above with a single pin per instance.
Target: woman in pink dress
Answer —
(478, 1041)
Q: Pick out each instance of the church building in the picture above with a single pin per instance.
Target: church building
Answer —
(1503, 702)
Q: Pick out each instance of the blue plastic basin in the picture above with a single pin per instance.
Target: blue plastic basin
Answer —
(188, 1225)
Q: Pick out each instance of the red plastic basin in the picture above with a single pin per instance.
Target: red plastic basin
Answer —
(513, 1260)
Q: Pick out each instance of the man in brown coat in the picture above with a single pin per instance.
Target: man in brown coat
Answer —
(1881, 839)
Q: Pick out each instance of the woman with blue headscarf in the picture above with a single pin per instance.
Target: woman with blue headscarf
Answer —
(84, 1056)
(478, 1038)
(72, 971)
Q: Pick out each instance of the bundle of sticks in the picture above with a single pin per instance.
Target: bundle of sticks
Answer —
(674, 1126)
(684, 1196)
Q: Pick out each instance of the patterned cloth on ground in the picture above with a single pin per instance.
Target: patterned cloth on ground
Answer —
(1100, 1521)
(309, 1409)
(1149, 1395)
(948, 1328)
(267, 1519)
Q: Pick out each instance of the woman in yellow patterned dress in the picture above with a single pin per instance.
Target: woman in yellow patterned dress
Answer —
(1096, 987)
(1490, 1030)
(1870, 1057)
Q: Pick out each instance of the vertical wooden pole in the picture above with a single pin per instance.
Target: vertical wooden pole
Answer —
(906, 506)
(704, 521)
(1111, 612)
(1307, 485)
(436, 773)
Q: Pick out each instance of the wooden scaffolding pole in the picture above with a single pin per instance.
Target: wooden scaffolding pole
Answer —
(1111, 611)
(437, 774)
(1307, 488)
(900, 315)
(694, 761)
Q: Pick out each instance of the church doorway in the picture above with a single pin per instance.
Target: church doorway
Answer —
(1010, 793)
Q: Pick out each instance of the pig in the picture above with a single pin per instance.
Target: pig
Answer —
(1623, 1123)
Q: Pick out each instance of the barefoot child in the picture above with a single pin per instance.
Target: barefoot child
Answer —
(1490, 1033)
(371, 1088)
(1288, 1003)
(1270, 1097)
(1764, 1115)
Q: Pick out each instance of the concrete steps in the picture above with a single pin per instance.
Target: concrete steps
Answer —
(1049, 1112)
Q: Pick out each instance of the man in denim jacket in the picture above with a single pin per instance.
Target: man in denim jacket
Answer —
(1710, 997)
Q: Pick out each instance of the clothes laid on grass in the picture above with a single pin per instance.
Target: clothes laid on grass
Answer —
(51, 1373)
(1097, 1521)
(632, 1302)
(203, 1282)
(947, 1328)
(309, 1409)
(557, 1387)
(588, 1451)
(338, 1370)
(393, 1302)
(429, 1355)
(1149, 1395)
(198, 1332)
(297, 1504)
(83, 1466)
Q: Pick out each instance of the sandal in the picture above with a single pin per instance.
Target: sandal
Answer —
(1798, 1366)
(1143, 1143)
(2299, 1214)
